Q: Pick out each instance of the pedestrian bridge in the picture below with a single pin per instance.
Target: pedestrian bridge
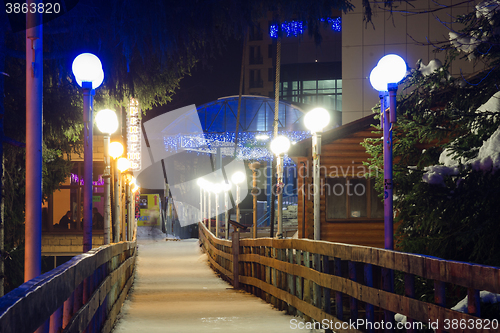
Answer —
(345, 288)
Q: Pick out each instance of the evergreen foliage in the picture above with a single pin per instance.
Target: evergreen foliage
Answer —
(456, 219)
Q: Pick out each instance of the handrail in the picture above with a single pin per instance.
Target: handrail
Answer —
(85, 292)
(305, 276)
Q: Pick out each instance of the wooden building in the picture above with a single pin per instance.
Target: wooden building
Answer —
(351, 210)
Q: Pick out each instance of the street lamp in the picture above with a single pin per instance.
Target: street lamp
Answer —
(200, 182)
(207, 186)
(255, 191)
(315, 120)
(89, 75)
(226, 187)
(115, 151)
(216, 188)
(279, 146)
(238, 177)
(107, 122)
(385, 77)
(123, 165)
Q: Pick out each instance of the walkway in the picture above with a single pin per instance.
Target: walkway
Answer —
(176, 291)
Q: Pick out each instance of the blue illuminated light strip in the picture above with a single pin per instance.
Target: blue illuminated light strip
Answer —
(249, 148)
(296, 28)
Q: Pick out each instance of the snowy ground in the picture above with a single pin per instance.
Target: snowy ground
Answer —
(176, 291)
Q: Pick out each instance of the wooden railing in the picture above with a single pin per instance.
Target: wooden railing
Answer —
(84, 294)
(347, 288)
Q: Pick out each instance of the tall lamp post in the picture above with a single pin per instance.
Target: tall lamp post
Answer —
(107, 122)
(385, 77)
(89, 75)
(237, 178)
(315, 120)
(200, 182)
(116, 151)
(255, 191)
(123, 165)
(226, 187)
(279, 146)
(216, 188)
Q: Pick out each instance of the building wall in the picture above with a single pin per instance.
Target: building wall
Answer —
(343, 158)
(398, 32)
(59, 244)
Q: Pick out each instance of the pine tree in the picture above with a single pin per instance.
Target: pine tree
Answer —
(447, 153)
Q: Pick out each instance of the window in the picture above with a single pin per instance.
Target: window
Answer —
(325, 93)
(255, 79)
(352, 198)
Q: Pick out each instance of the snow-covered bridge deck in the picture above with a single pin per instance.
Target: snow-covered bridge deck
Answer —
(176, 291)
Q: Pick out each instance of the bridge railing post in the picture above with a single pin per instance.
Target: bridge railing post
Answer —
(236, 251)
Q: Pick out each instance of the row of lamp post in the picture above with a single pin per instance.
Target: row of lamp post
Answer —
(89, 75)
(207, 188)
(88, 72)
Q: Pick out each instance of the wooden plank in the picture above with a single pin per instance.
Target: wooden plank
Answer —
(426, 267)
(304, 307)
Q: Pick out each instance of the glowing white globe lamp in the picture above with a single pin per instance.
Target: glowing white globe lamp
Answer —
(123, 164)
(393, 67)
(115, 149)
(107, 121)
(88, 68)
(317, 119)
(238, 177)
(377, 79)
(280, 145)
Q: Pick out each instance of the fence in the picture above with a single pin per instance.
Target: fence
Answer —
(346, 288)
(84, 294)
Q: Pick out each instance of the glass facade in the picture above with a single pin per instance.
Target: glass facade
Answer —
(324, 93)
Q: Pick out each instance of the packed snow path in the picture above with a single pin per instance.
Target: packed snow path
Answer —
(176, 291)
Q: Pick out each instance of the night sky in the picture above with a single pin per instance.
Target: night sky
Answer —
(217, 77)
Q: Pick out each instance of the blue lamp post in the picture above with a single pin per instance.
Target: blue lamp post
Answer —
(89, 75)
(385, 77)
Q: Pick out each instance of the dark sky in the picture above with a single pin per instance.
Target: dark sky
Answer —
(218, 77)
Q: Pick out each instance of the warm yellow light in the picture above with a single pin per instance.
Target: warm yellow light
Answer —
(115, 149)
(133, 185)
(123, 164)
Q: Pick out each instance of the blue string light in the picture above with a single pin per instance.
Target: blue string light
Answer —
(296, 28)
(249, 147)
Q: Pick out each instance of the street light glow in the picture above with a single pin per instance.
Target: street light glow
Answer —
(280, 145)
(115, 149)
(106, 121)
(123, 164)
(394, 68)
(88, 68)
(390, 69)
(238, 177)
(317, 119)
